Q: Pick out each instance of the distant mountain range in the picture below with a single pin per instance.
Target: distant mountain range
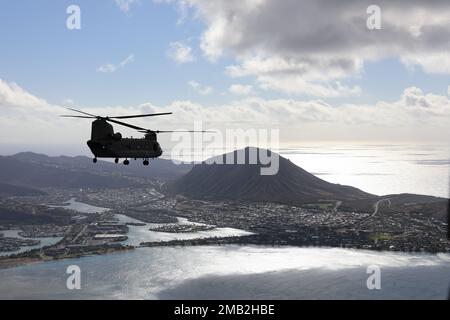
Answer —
(291, 184)
(34, 171)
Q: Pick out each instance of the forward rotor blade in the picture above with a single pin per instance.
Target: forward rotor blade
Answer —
(140, 115)
(82, 112)
(125, 124)
(84, 117)
(188, 131)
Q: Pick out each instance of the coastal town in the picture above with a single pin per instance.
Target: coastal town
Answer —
(85, 222)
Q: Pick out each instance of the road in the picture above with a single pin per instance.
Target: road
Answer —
(377, 205)
(79, 234)
(338, 204)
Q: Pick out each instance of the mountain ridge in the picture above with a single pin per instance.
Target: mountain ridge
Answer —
(291, 184)
(33, 170)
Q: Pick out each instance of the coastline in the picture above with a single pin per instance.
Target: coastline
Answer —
(36, 256)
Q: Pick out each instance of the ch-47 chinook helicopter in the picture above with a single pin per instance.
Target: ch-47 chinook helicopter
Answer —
(105, 143)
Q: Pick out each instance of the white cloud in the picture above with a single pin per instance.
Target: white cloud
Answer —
(110, 68)
(180, 53)
(301, 77)
(129, 59)
(297, 85)
(13, 95)
(437, 63)
(313, 46)
(415, 116)
(200, 89)
(125, 5)
(28, 120)
(240, 89)
(107, 68)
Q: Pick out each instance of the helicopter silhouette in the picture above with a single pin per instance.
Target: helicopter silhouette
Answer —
(105, 143)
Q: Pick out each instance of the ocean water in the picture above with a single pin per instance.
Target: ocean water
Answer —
(139, 234)
(75, 205)
(234, 272)
(378, 168)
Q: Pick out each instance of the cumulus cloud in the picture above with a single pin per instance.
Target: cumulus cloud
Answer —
(240, 89)
(180, 52)
(438, 63)
(307, 47)
(305, 77)
(12, 95)
(199, 88)
(28, 120)
(110, 68)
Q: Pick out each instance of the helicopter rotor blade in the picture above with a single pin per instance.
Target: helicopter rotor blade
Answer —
(126, 124)
(140, 129)
(187, 131)
(140, 115)
(83, 117)
(82, 112)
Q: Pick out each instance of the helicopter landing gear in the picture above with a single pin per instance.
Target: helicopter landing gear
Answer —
(145, 163)
(94, 160)
(126, 162)
(116, 160)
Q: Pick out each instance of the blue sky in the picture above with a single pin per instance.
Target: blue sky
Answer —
(50, 61)
(56, 63)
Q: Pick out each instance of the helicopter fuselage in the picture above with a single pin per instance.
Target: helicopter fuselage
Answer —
(104, 143)
(125, 148)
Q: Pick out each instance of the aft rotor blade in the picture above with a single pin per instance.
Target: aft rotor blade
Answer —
(81, 112)
(125, 124)
(140, 115)
(84, 117)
